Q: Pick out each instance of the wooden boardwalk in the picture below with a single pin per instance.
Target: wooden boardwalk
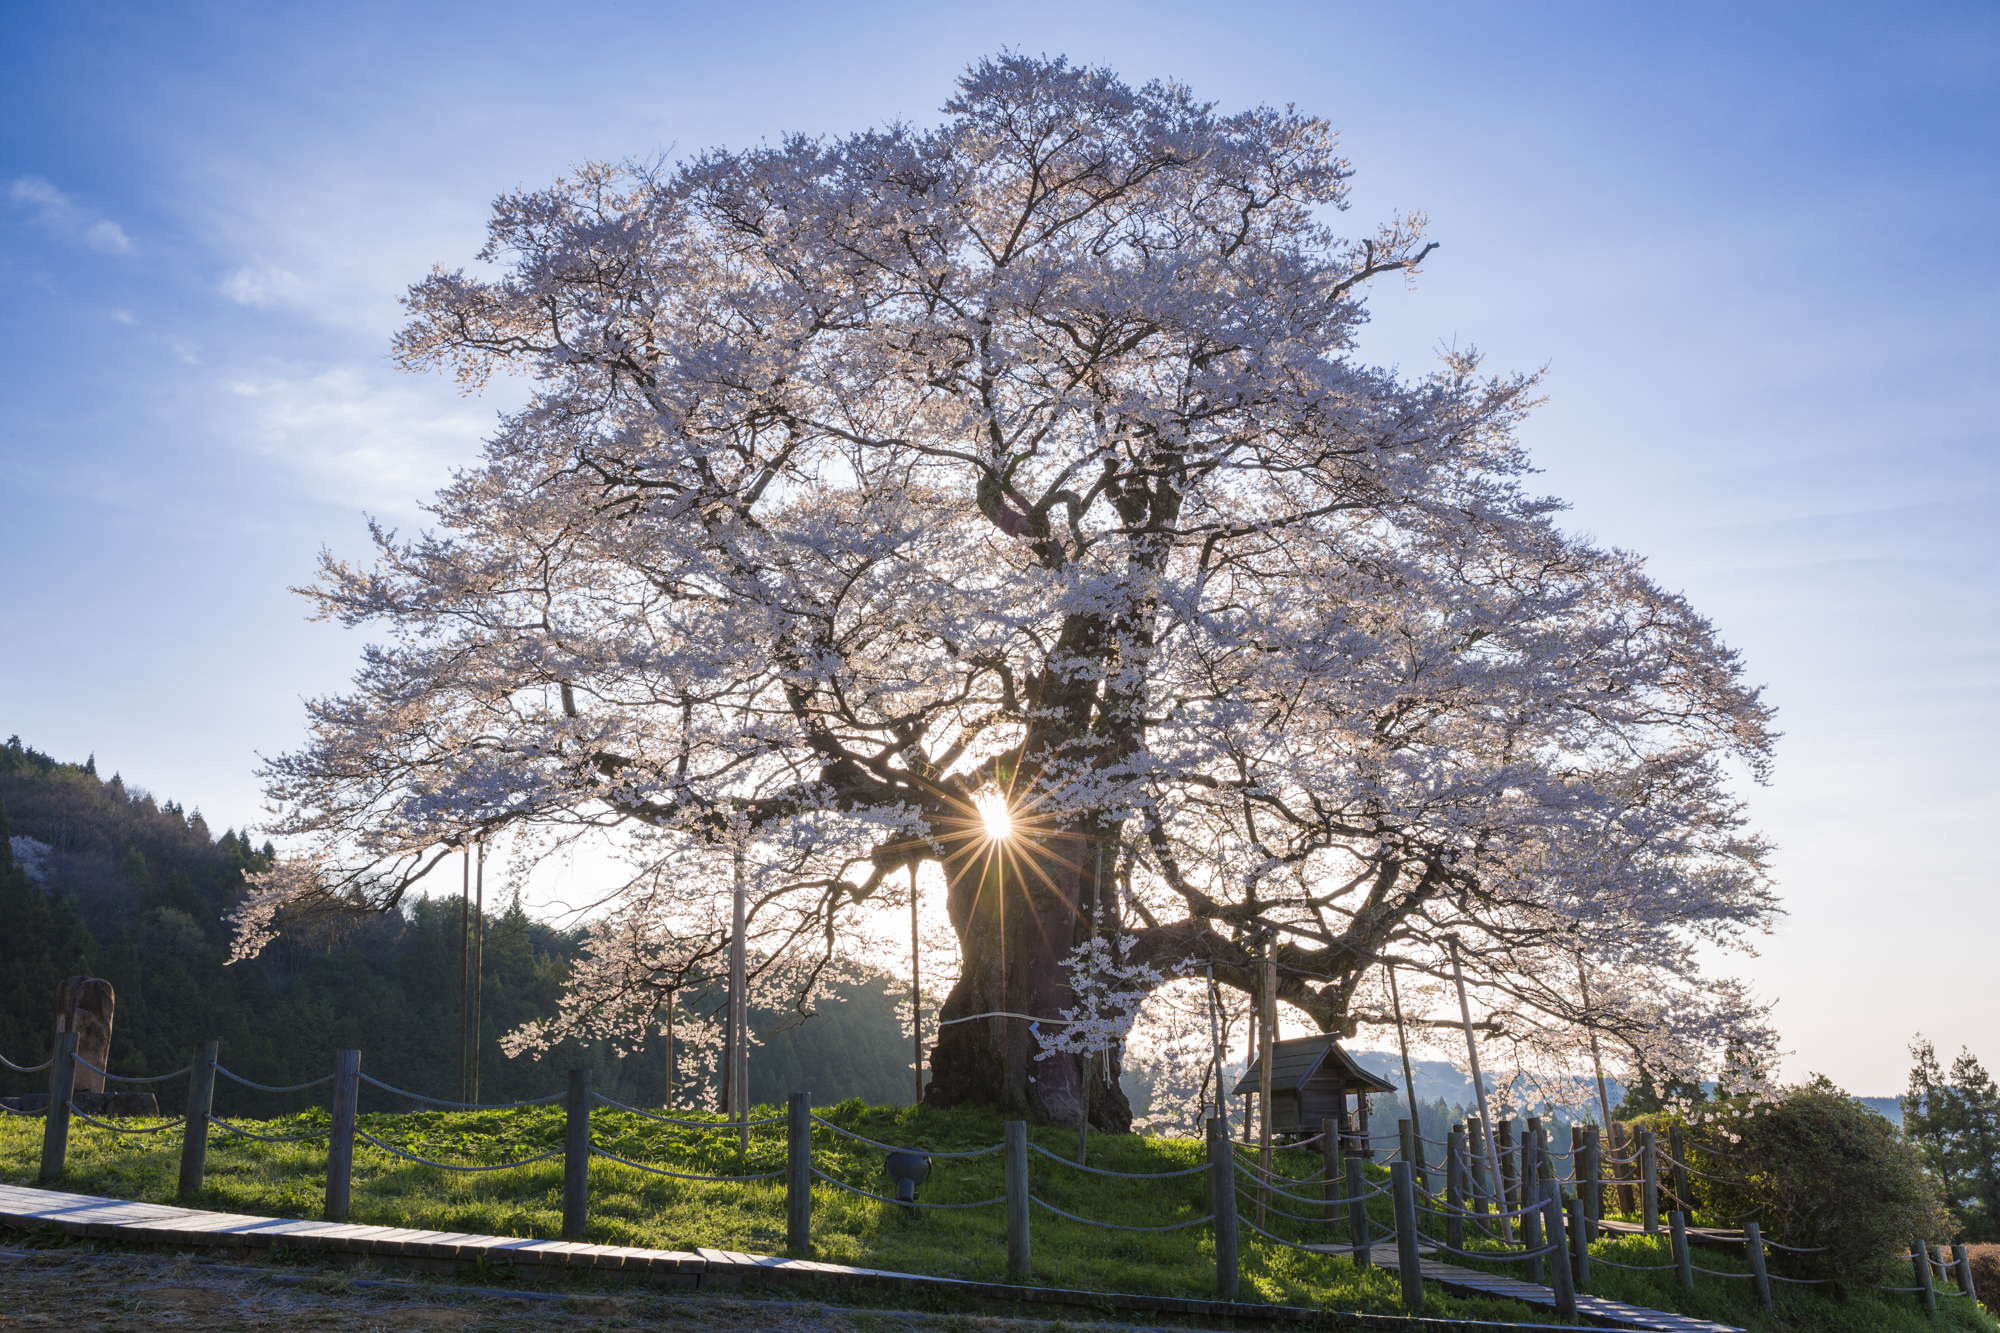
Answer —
(237, 1233)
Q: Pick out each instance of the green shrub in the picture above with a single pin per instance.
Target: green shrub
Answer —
(1817, 1168)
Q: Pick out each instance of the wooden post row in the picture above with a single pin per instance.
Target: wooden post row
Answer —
(1409, 1266)
(1015, 1136)
(1222, 1201)
(340, 1141)
(62, 1085)
(798, 1174)
(194, 1135)
(576, 1155)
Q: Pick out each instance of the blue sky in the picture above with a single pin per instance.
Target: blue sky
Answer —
(1754, 246)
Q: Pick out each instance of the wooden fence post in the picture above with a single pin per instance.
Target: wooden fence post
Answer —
(1677, 1150)
(1531, 1212)
(1623, 1172)
(1683, 1263)
(1579, 1242)
(1403, 1189)
(340, 1141)
(1357, 1213)
(1962, 1261)
(1561, 1279)
(1649, 1179)
(1018, 1254)
(576, 1155)
(1760, 1277)
(798, 1174)
(1509, 1184)
(1329, 1185)
(62, 1086)
(194, 1135)
(1592, 1189)
(1454, 1187)
(1920, 1255)
(1222, 1202)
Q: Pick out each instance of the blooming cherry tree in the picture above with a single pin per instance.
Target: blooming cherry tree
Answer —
(1030, 452)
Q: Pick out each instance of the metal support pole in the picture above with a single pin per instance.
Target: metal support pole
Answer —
(1357, 1214)
(1760, 1277)
(1016, 1139)
(1579, 1245)
(798, 1174)
(478, 973)
(1222, 1201)
(1920, 1257)
(1403, 1189)
(1478, 1079)
(1479, 1161)
(576, 1154)
(194, 1134)
(1267, 1040)
(340, 1141)
(1683, 1265)
(1563, 1283)
(739, 1004)
(1454, 1187)
(1413, 1151)
(916, 991)
(55, 1126)
(1649, 1179)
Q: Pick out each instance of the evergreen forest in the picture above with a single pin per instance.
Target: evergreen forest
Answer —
(100, 878)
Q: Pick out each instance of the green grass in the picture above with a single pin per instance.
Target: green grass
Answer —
(629, 1207)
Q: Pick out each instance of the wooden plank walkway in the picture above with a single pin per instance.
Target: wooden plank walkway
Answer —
(163, 1224)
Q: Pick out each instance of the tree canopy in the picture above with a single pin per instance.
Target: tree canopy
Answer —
(1030, 454)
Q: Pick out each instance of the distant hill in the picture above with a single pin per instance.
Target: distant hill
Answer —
(99, 877)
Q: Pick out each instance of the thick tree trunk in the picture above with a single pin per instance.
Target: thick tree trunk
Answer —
(1014, 907)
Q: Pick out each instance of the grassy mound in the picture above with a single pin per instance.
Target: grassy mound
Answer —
(631, 1207)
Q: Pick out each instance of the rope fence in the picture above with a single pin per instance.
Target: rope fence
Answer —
(1528, 1189)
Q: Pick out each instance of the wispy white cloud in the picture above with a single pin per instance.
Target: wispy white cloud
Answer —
(263, 284)
(359, 436)
(61, 215)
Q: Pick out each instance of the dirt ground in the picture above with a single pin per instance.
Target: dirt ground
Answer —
(65, 1289)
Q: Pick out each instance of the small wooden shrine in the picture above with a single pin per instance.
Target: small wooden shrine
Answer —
(1312, 1080)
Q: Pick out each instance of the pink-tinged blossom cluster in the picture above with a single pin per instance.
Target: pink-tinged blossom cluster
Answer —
(862, 472)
